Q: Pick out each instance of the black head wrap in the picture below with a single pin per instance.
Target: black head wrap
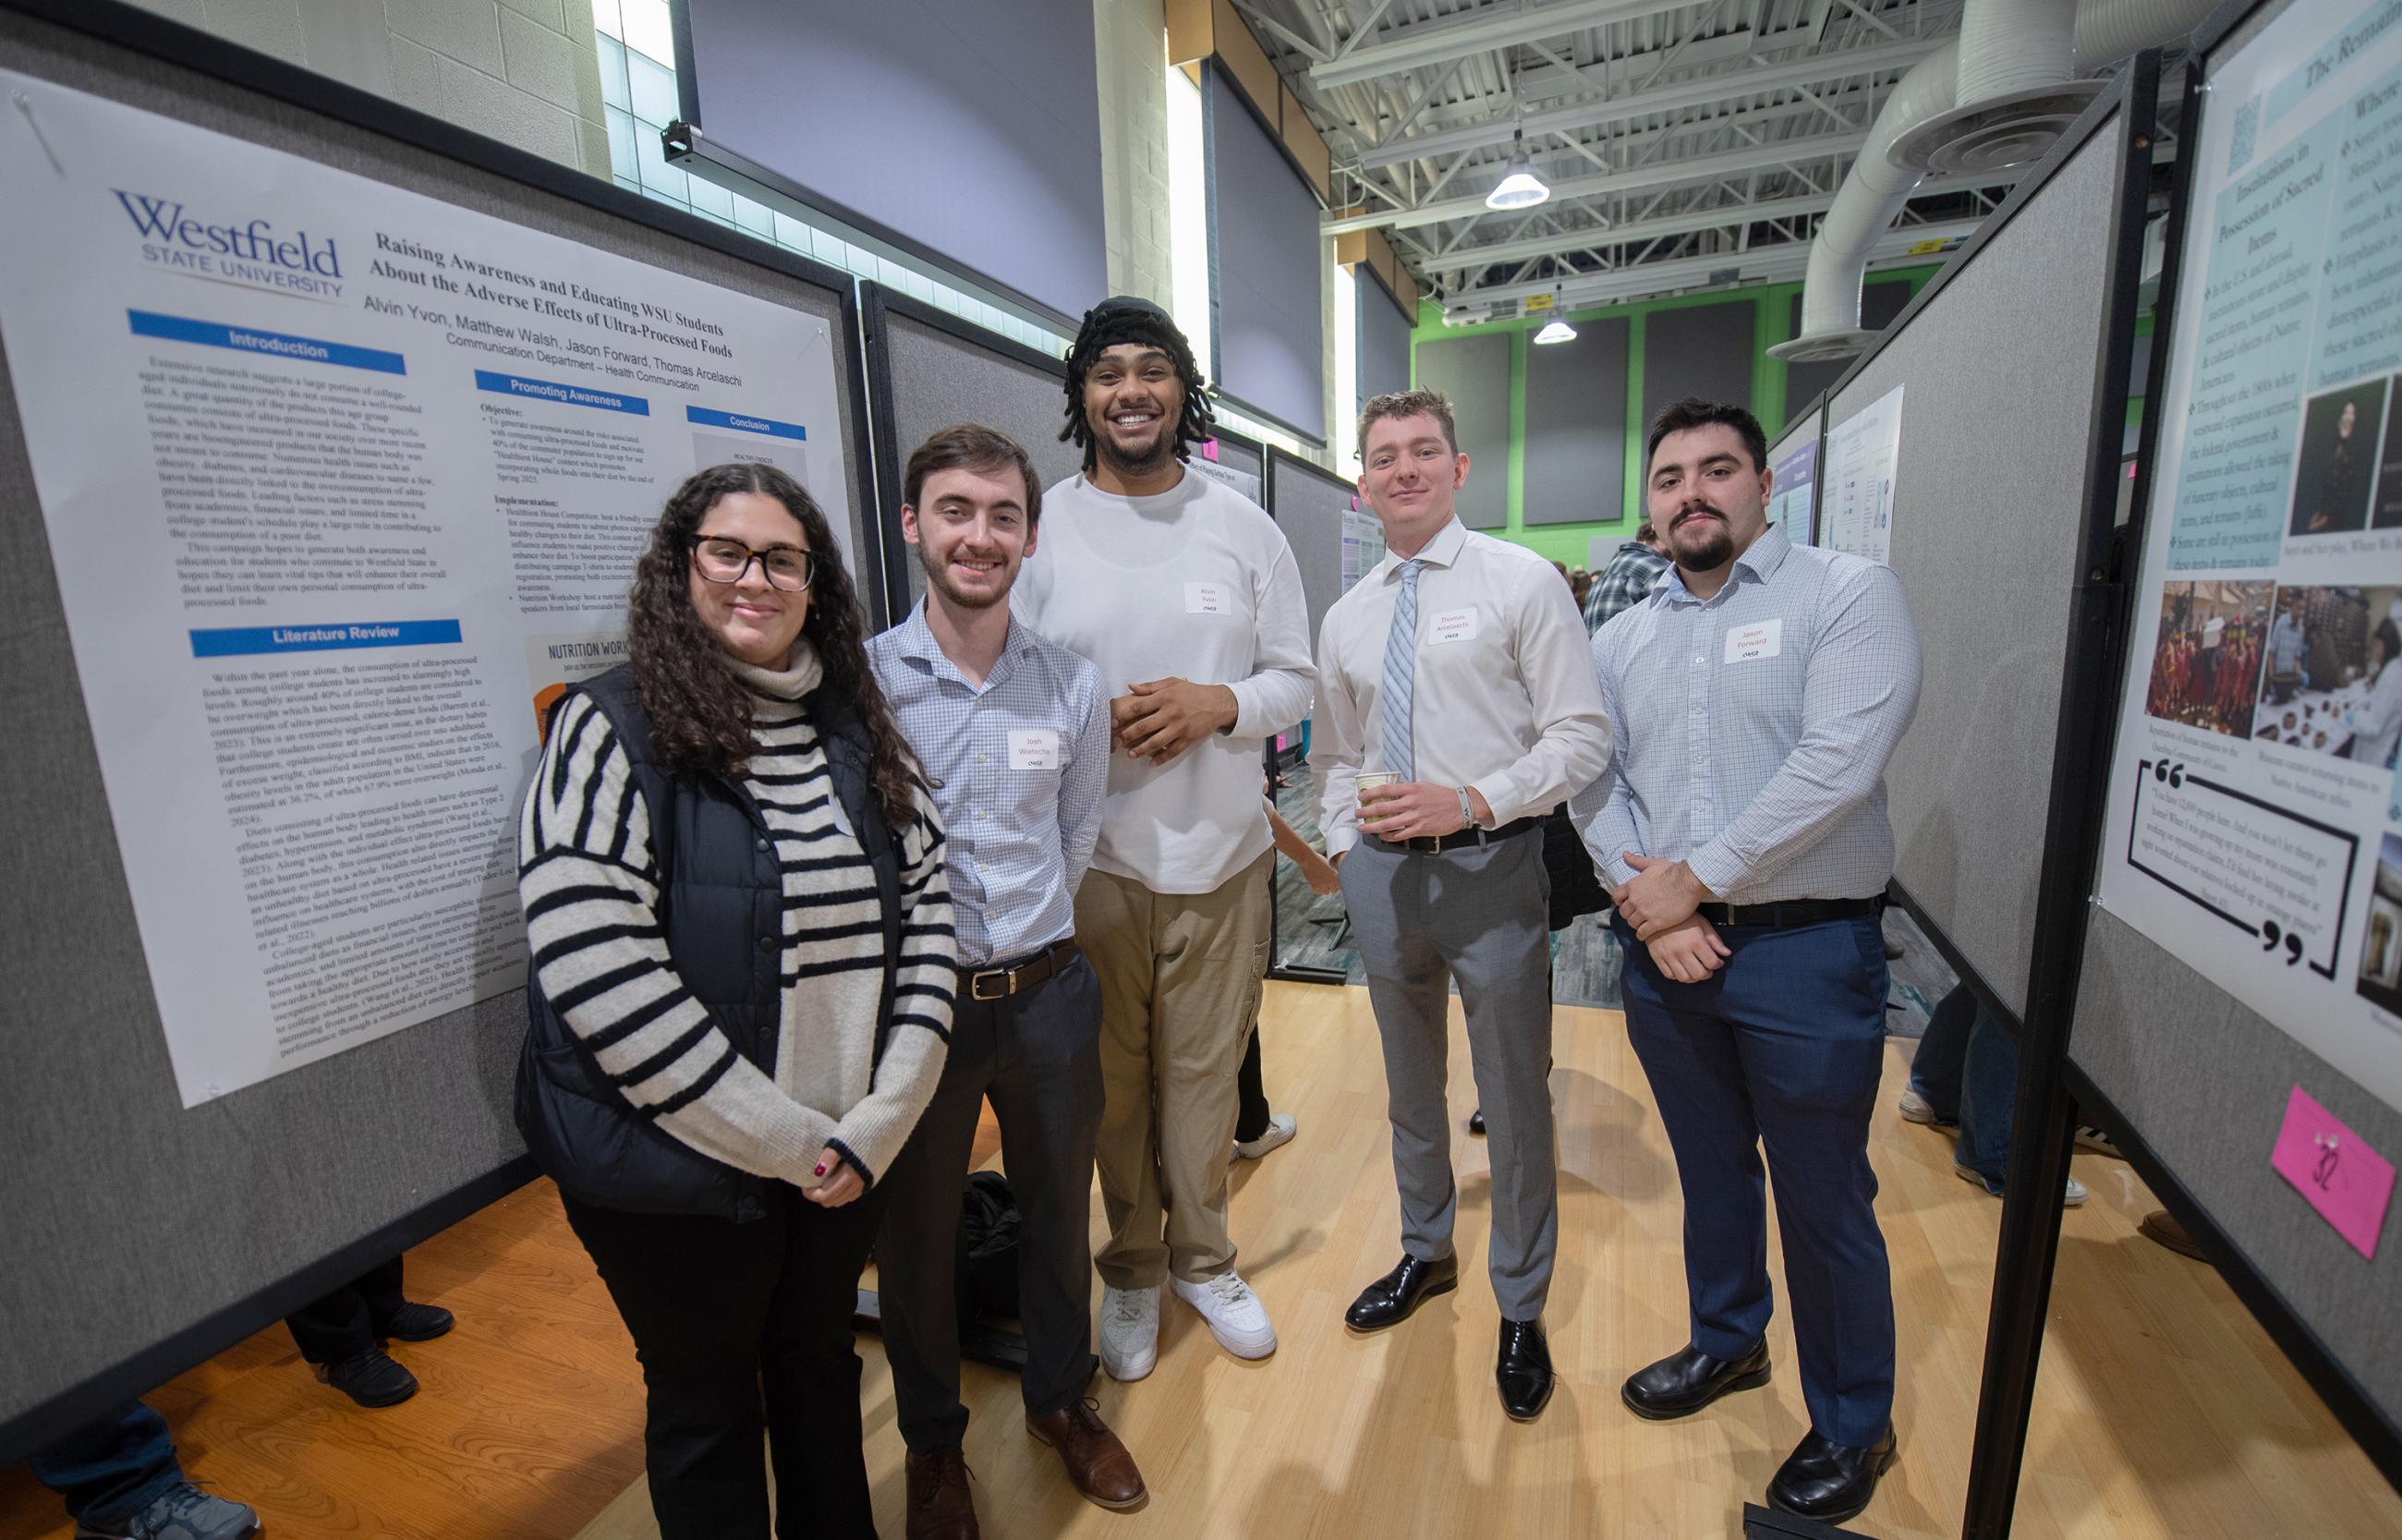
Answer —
(1122, 318)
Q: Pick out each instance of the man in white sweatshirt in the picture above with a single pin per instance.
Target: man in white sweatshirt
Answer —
(1183, 595)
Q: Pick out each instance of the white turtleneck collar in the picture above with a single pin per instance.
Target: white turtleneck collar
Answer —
(802, 674)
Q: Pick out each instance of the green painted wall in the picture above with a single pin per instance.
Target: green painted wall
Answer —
(1771, 303)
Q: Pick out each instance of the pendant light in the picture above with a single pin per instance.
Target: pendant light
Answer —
(1519, 187)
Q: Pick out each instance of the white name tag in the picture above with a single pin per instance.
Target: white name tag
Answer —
(1762, 638)
(1034, 748)
(1207, 598)
(1452, 625)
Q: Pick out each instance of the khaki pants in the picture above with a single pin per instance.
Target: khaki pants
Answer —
(1179, 994)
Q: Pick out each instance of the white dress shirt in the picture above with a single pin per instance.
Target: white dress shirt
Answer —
(1198, 584)
(1502, 699)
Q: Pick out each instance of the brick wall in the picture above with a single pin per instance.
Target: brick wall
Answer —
(521, 71)
(1130, 44)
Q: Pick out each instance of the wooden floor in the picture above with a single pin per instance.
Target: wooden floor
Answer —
(2163, 1411)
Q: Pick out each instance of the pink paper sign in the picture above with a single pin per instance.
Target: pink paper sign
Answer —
(2346, 1181)
(1209, 448)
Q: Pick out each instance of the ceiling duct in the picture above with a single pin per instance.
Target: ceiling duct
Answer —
(2017, 42)
(2015, 95)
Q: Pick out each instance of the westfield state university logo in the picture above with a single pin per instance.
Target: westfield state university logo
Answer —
(256, 253)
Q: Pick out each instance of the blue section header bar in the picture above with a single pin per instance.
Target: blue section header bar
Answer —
(744, 422)
(566, 395)
(235, 641)
(247, 339)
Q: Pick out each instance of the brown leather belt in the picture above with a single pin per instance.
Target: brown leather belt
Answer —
(1002, 980)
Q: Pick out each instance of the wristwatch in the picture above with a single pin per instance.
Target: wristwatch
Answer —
(1467, 814)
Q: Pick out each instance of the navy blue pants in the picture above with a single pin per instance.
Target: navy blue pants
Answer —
(1968, 1070)
(1780, 1051)
(113, 1468)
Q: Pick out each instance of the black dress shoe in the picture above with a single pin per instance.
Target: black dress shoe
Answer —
(1689, 1379)
(417, 1323)
(1396, 1297)
(1828, 1482)
(1524, 1370)
(1476, 1121)
(372, 1378)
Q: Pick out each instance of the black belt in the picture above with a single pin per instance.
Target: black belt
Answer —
(1792, 913)
(1002, 980)
(1435, 845)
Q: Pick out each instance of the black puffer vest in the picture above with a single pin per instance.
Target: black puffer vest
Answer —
(722, 904)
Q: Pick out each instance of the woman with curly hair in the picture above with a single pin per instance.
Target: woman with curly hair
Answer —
(741, 996)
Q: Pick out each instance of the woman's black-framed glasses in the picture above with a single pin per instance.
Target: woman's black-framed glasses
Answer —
(719, 559)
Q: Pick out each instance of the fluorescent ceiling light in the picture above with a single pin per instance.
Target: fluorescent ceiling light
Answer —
(1520, 187)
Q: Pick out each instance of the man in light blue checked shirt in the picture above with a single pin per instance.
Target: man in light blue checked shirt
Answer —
(1755, 697)
(1012, 734)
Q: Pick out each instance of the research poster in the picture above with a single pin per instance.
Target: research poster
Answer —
(1855, 509)
(1795, 482)
(1364, 543)
(344, 486)
(2254, 827)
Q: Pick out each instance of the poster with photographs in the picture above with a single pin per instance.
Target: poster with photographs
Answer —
(2255, 825)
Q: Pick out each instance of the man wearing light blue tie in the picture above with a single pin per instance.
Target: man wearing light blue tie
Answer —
(1453, 679)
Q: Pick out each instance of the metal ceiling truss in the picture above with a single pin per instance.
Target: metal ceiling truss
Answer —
(1685, 140)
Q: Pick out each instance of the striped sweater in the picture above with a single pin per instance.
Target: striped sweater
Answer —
(590, 889)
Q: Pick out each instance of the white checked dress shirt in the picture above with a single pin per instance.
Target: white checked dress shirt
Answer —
(1503, 699)
(1016, 767)
(1753, 727)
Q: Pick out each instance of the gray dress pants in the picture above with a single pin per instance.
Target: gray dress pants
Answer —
(1475, 914)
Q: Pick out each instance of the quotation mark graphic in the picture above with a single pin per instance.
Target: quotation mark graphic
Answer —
(2271, 933)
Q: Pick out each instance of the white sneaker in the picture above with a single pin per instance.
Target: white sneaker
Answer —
(1279, 1131)
(1129, 1331)
(1236, 1317)
(2071, 1196)
(1917, 1108)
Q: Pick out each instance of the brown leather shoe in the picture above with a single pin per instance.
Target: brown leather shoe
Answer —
(1096, 1463)
(940, 1505)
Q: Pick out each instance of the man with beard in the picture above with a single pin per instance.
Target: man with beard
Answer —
(1184, 594)
(1012, 732)
(1754, 699)
(1455, 670)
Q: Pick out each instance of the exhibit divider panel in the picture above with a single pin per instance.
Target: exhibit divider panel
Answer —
(1959, 451)
(927, 369)
(1974, 450)
(1335, 542)
(2238, 1027)
(187, 1158)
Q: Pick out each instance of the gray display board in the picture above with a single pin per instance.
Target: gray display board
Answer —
(1989, 490)
(143, 1237)
(968, 132)
(2205, 1081)
(929, 370)
(1308, 505)
(2193, 1072)
(1880, 302)
(1704, 351)
(1237, 453)
(1575, 469)
(1474, 372)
